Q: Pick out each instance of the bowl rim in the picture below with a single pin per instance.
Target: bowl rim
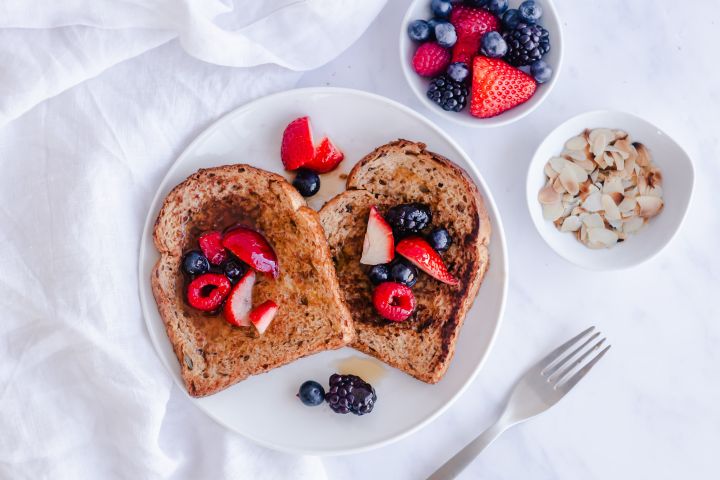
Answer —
(504, 118)
(531, 200)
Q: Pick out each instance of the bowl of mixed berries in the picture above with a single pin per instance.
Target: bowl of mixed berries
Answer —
(480, 62)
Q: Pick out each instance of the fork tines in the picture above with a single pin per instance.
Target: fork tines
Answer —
(565, 366)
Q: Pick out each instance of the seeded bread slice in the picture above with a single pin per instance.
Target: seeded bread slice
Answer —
(402, 172)
(312, 317)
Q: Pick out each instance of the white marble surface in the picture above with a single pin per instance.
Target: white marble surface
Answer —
(651, 409)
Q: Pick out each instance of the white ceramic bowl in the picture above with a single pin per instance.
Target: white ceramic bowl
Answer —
(420, 9)
(678, 179)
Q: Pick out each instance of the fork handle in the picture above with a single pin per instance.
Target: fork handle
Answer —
(464, 457)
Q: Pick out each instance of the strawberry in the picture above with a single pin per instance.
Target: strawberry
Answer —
(208, 291)
(211, 246)
(393, 301)
(470, 25)
(327, 157)
(378, 246)
(262, 315)
(430, 59)
(239, 302)
(497, 87)
(253, 249)
(297, 144)
(423, 256)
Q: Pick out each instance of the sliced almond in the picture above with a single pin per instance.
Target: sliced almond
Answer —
(612, 212)
(552, 211)
(568, 180)
(576, 143)
(628, 204)
(558, 186)
(571, 224)
(593, 202)
(643, 158)
(550, 172)
(548, 195)
(633, 224)
(594, 220)
(649, 206)
(558, 163)
(602, 236)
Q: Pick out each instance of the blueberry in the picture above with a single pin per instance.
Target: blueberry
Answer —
(541, 71)
(497, 6)
(311, 393)
(233, 269)
(419, 31)
(432, 23)
(441, 8)
(493, 45)
(306, 182)
(510, 19)
(458, 71)
(403, 272)
(379, 274)
(195, 263)
(445, 34)
(530, 12)
(477, 3)
(439, 239)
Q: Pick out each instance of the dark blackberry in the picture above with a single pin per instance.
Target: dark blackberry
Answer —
(408, 218)
(350, 394)
(526, 44)
(448, 93)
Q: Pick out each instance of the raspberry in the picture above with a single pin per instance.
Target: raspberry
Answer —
(430, 59)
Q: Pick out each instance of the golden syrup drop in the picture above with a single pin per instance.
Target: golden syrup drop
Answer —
(368, 369)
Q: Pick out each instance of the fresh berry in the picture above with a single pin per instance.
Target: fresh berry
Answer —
(262, 315)
(497, 7)
(211, 246)
(403, 272)
(530, 12)
(445, 34)
(378, 245)
(441, 8)
(497, 87)
(449, 94)
(476, 3)
(430, 59)
(422, 255)
(408, 218)
(297, 147)
(208, 291)
(470, 25)
(510, 19)
(239, 302)
(233, 269)
(311, 393)
(327, 157)
(195, 263)
(419, 31)
(458, 71)
(379, 274)
(526, 44)
(253, 249)
(541, 71)
(393, 301)
(493, 45)
(432, 23)
(350, 394)
(306, 182)
(439, 239)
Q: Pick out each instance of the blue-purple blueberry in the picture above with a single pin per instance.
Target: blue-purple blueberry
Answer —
(541, 71)
(493, 45)
(419, 31)
(530, 11)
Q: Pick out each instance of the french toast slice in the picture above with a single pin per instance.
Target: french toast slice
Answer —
(312, 317)
(402, 172)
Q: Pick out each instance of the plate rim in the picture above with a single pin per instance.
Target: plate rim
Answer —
(498, 230)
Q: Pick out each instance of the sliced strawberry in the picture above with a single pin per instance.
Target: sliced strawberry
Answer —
(327, 157)
(262, 315)
(297, 144)
(423, 256)
(211, 246)
(430, 59)
(252, 248)
(497, 87)
(208, 291)
(237, 308)
(378, 246)
(393, 301)
(470, 25)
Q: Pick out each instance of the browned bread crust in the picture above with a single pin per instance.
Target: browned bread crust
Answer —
(400, 172)
(312, 317)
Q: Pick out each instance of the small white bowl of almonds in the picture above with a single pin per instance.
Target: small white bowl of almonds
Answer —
(608, 190)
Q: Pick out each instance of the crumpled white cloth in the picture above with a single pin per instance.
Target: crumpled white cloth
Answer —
(93, 111)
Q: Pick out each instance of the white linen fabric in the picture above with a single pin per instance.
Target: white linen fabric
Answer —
(82, 392)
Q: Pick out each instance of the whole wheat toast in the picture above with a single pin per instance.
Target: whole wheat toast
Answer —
(311, 317)
(401, 172)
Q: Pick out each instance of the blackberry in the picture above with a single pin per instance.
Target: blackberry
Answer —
(448, 93)
(408, 218)
(350, 394)
(526, 44)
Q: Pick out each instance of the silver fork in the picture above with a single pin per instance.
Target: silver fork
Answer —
(539, 389)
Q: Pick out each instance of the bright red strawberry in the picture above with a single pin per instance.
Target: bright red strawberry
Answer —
(208, 291)
(393, 301)
(470, 25)
(497, 87)
(253, 249)
(237, 307)
(262, 315)
(423, 256)
(430, 59)
(327, 157)
(211, 246)
(297, 144)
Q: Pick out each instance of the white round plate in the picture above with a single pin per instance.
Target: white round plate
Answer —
(264, 407)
